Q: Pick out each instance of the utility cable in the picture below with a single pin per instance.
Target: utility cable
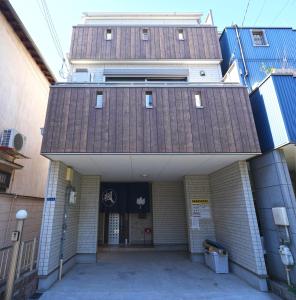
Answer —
(280, 12)
(260, 12)
(46, 14)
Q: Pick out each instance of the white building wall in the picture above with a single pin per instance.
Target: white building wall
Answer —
(212, 71)
(198, 187)
(235, 217)
(88, 215)
(169, 217)
(52, 220)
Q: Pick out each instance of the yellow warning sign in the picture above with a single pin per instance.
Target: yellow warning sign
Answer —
(200, 201)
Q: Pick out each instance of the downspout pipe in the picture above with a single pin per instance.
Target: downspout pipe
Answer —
(242, 54)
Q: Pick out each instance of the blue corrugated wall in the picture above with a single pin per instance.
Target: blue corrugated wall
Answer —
(274, 109)
(285, 87)
(281, 41)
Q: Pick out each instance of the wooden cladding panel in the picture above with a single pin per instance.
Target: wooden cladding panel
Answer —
(88, 42)
(173, 125)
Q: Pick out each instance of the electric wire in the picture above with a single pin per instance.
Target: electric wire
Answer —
(280, 12)
(46, 14)
(243, 22)
(260, 12)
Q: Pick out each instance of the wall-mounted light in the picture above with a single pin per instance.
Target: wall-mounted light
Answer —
(202, 73)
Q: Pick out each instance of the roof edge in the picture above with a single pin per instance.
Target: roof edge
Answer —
(18, 27)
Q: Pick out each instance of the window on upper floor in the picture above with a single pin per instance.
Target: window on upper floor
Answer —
(145, 34)
(259, 38)
(181, 34)
(149, 100)
(108, 34)
(81, 70)
(198, 102)
(99, 100)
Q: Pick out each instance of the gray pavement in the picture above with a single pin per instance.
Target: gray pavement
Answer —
(149, 276)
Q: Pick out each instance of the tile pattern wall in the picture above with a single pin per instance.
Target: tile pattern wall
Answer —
(88, 215)
(169, 217)
(235, 218)
(137, 227)
(52, 220)
(198, 187)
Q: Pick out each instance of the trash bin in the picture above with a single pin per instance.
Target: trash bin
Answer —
(216, 257)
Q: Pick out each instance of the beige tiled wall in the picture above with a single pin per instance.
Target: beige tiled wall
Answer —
(198, 187)
(88, 215)
(53, 214)
(235, 218)
(169, 217)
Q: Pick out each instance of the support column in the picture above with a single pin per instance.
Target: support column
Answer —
(198, 187)
(51, 229)
(55, 207)
(273, 188)
(88, 219)
(236, 223)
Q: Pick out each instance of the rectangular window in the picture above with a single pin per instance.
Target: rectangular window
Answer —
(108, 34)
(145, 34)
(181, 34)
(198, 102)
(259, 38)
(81, 70)
(149, 99)
(100, 100)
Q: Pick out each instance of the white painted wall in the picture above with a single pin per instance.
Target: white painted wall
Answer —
(212, 71)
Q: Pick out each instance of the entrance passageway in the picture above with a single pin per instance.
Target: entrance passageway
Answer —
(153, 275)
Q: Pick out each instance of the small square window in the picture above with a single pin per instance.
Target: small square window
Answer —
(108, 34)
(149, 99)
(99, 100)
(198, 102)
(181, 34)
(145, 34)
(259, 38)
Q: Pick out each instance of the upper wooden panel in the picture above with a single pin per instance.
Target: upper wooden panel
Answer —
(173, 125)
(88, 42)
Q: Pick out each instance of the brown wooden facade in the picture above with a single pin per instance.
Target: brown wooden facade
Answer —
(89, 43)
(174, 125)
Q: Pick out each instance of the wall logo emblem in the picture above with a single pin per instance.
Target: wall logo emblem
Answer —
(109, 198)
(141, 202)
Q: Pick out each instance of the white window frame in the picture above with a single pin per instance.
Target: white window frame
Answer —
(145, 36)
(181, 34)
(99, 99)
(148, 97)
(266, 44)
(109, 34)
(198, 100)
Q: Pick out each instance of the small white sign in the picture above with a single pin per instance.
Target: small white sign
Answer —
(195, 222)
(200, 208)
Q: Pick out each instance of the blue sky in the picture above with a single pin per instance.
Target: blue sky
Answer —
(66, 13)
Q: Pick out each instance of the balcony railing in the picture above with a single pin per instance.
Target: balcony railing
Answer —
(26, 262)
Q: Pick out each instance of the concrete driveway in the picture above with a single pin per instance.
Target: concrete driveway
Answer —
(149, 275)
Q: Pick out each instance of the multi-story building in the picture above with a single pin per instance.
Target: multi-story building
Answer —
(250, 54)
(264, 59)
(24, 88)
(148, 146)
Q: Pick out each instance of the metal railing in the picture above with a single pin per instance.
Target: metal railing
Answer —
(26, 261)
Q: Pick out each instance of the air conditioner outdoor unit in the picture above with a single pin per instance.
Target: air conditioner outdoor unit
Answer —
(12, 139)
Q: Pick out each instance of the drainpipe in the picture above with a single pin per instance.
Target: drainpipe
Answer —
(242, 54)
